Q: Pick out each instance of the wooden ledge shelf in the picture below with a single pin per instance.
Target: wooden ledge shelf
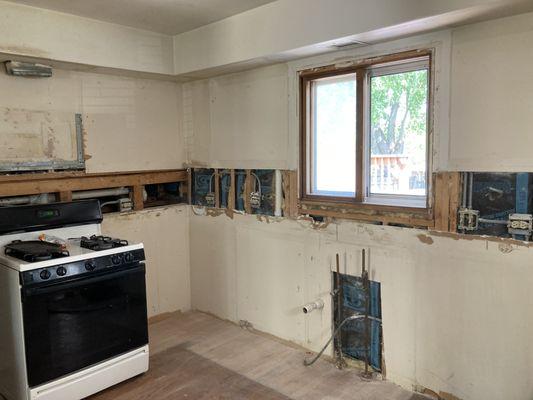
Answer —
(66, 183)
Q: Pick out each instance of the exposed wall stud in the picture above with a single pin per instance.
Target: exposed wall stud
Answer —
(247, 191)
(65, 196)
(137, 197)
(231, 194)
(217, 188)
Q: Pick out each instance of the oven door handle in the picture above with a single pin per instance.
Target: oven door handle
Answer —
(65, 285)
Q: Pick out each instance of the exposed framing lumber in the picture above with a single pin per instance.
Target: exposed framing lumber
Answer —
(217, 188)
(189, 185)
(137, 197)
(369, 215)
(247, 191)
(442, 217)
(231, 194)
(447, 193)
(28, 184)
(290, 193)
(65, 196)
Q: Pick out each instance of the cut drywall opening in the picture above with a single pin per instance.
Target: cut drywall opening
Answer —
(263, 189)
(162, 194)
(203, 187)
(497, 204)
(360, 339)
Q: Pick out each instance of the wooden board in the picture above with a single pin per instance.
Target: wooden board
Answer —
(20, 185)
(447, 193)
(197, 356)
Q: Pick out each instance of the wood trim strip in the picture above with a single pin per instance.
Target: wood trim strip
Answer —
(360, 137)
(353, 65)
(371, 216)
(54, 184)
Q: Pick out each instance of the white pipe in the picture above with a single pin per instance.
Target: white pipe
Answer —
(279, 193)
(315, 305)
(89, 194)
(18, 200)
(48, 198)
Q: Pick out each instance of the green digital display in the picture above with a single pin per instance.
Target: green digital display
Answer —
(46, 214)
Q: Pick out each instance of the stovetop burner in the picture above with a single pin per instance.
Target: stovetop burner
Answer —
(35, 250)
(101, 242)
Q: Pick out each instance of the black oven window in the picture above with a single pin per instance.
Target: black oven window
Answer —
(71, 326)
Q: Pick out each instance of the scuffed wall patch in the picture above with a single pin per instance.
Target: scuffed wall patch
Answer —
(426, 239)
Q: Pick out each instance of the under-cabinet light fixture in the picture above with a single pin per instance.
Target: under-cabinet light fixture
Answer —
(25, 69)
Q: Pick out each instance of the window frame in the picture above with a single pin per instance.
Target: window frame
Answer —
(362, 199)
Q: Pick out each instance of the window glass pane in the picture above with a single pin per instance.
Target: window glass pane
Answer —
(333, 136)
(398, 133)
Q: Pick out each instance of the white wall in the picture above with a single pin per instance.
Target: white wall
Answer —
(165, 234)
(492, 83)
(481, 104)
(238, 120)
(52, 35)
(456, 312)
(286, 29)
(130, 123)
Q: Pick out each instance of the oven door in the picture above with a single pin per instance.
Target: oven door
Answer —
(72, 325)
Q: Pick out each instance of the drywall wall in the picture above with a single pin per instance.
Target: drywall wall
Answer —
(456, 313)
(130, 123)
(37, 122)
(238, 120)
(481, 102)
(45, 34)
(287, 29)
(165, 234)
(492, 82)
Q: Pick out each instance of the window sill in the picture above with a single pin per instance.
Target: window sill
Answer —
(402, 203)
(371, 212)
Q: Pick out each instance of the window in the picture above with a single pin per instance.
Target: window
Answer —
(365, 132)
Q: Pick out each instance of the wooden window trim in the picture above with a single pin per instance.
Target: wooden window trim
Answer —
(329, 205)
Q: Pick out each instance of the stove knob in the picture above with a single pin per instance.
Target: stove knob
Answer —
(45, 274)
(61, 271)
(128, 257)
(90, 265)
(116, 260)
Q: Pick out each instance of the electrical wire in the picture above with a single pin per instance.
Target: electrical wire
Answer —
(308, 363)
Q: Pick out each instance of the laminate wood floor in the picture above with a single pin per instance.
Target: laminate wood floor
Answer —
(199, 357)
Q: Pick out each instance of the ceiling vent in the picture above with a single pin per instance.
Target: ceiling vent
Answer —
(349, 43)
(17, 68)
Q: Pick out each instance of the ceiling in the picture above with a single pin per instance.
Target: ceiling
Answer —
(164, 16)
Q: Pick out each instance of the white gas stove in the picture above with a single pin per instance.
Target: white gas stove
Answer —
(72, 304)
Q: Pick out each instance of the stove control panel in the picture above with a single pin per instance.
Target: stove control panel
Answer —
(82, 267)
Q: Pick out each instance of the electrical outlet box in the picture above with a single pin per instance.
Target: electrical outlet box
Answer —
(468, 219)
(520, 224)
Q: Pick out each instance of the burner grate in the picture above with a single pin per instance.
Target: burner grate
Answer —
(35, 250)
(101, 242)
